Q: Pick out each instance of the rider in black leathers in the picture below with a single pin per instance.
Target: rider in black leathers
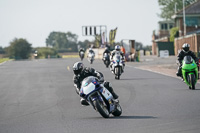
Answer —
(184, 52)
(106, 51)
(81, 72)
(81, 50)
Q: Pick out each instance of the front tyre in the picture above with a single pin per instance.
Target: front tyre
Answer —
(118, 110)
(117, 73)
(192, 81)
(101, 109)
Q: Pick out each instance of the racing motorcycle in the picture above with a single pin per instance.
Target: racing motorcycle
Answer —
(117, 66)
(106, 59)
(81, 55)
(189, 72)
(99, 97)
(91, 57)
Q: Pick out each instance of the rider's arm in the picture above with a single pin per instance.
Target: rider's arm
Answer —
(77, 83)
(180, 57)
(97, 74)
(112, 54)
(194, 56)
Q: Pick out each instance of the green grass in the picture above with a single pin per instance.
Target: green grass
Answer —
(4, 59)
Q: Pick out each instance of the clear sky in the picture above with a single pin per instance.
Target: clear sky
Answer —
(35, 19)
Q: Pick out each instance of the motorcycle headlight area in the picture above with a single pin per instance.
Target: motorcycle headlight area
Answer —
(88, 88)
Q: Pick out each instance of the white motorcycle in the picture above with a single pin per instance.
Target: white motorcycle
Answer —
(117, 66)
(91, 57)
(99, 97)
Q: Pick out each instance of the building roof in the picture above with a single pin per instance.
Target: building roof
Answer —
(193, 10)
(166, 21)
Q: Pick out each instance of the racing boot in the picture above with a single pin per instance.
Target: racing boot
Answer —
(179, 73)
(84, 102)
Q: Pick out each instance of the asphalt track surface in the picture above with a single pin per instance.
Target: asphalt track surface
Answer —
(38, 97)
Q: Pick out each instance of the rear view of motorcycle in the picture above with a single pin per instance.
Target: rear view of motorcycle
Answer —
(99, 97)
(106, 59)
(117, 66)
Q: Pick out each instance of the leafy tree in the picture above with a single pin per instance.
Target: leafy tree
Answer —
(2, 51)
(148, 47)
(61, 40)
(19, 49)
(174, 32)
(168, 7)
(85, 44)
(138, 45)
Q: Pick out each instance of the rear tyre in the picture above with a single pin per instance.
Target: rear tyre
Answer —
(118, 111)
(101, 109)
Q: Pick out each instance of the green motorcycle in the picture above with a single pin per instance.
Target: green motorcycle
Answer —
(189, 72)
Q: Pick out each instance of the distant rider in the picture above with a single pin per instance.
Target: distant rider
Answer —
(81, 50)
(185, 52)
(106, 51)
(81, 72)
(91, 51)
(116, 51)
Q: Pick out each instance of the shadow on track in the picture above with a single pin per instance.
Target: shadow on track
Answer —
(125, 117)
(134, 117)
(138, 78)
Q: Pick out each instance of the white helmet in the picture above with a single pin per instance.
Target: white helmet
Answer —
(186, 47)
(117, 47)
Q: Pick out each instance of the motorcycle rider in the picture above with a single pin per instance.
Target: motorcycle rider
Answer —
(185, 52)
(117, 50)
(91, 51)
(106, 51)
(81, 72)
(81, 50)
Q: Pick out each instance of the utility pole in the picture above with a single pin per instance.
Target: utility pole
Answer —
(184, 24)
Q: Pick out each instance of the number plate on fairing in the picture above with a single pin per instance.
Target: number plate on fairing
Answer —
(106, 94)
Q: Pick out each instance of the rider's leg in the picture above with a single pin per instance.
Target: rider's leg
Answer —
(179, 72)
(109, 87)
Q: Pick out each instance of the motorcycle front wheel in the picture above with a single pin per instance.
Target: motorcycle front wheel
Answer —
(101, 109)
(118, 110)
(192, 80)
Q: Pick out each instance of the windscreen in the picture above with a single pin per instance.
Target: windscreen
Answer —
(188, 59)
(87, 81)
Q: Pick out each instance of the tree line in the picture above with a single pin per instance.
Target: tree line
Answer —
(56, 42)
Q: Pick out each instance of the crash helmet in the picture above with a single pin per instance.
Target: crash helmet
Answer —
(186, 47)
(117, 48)
(78, 67)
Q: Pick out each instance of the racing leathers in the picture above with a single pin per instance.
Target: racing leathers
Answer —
(180, 56)
(92, 72)
(106, 51)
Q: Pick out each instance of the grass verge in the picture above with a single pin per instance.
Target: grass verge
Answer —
(4, 59)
